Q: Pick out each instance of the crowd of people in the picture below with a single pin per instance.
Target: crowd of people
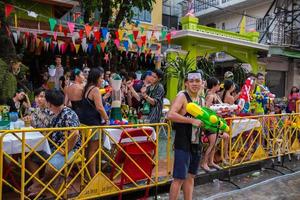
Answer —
(187, 152)
(71, 98)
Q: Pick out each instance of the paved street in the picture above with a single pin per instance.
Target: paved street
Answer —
(264, 185)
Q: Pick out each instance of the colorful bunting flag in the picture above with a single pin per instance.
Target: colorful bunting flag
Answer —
(135, 34)
(77, 47)
(117, 42)
(88, 29)
(142, 30)
(52, 23)
(106, 57)
(125, 43)
(139, 43)
(8, 9)
(168, 38)
(117, 34)
(55, 35)
(99, 48)
(143, 38)
(97, 35)
(148, 35)
(65, 32)
(121, 34)
(163, 34)
(103, 44)
(60, 28)
(130, 36)
(81, 34)
(104, 32)
(156, 35)
(71, 27)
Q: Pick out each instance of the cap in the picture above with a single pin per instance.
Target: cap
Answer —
(228, 75)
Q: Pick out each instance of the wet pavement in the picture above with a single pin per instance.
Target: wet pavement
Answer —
(278, 183)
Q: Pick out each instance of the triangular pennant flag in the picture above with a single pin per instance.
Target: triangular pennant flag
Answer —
(107, 37)
(97, 35)
(156, 35)
(103, 44)
(52, 23)
(163, 34)
(142, 30)
(8, 9)
(173, 32)
(149, 35)
(15, 35)
(104, 32)
(117, 34)
(73, 39)
(126, 44)
(139, 43)
(130, 36)
(135, 34)
(143, 38)
(117, 42)
(121, 34)
(83, 44)
(65, 32)
(60, 28)
(72, 47)
(37, 42)
(64, 48)
(130, 44)
(99, 48)
(90, 47)
(81, 34)
(60, 45)
(169, 38)
(106, 57)
(88, 29)
(77, 47)
(71, 26)
(55, 35)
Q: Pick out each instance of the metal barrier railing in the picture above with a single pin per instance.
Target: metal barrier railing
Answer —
(256, 138)
(110, 160)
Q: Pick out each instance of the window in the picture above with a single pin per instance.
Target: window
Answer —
(143, 15)
(223, 26)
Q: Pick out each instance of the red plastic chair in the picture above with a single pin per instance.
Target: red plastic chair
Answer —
(135, 152)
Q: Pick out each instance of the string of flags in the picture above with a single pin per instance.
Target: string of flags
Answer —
(93, 36)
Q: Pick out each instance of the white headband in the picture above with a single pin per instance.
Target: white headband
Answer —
(194, 76)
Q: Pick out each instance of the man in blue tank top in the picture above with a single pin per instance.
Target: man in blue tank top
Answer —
(187, 146)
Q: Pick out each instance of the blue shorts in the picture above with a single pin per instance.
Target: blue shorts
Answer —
(184, 163)
(58, 160)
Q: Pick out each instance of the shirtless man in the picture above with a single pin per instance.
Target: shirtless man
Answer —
(187, 149)
(73, 93)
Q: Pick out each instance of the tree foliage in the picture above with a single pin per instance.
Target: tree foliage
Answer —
(178, 68)
(113, 12)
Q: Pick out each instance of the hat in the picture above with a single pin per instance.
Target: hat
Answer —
(228, 75)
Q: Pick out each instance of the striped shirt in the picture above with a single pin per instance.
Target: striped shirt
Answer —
(157, 93)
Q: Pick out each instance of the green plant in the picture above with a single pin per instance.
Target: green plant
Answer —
(240, 74)
(207, 67)
(179, 67)
(8, 82)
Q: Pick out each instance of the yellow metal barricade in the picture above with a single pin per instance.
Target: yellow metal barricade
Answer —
(256, 138)
(99, 167)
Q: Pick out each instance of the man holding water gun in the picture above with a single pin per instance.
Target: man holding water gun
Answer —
(187, 146)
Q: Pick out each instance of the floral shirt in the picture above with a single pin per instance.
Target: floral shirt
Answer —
(66, 118)
(41, 118)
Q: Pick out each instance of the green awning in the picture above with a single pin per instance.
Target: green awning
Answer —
(284, 52)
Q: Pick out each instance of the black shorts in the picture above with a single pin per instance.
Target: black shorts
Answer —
(184, 163)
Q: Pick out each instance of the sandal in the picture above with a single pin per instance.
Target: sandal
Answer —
(217, 167)
(206, 170)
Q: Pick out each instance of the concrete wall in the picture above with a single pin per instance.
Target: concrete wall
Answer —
(232, 21)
